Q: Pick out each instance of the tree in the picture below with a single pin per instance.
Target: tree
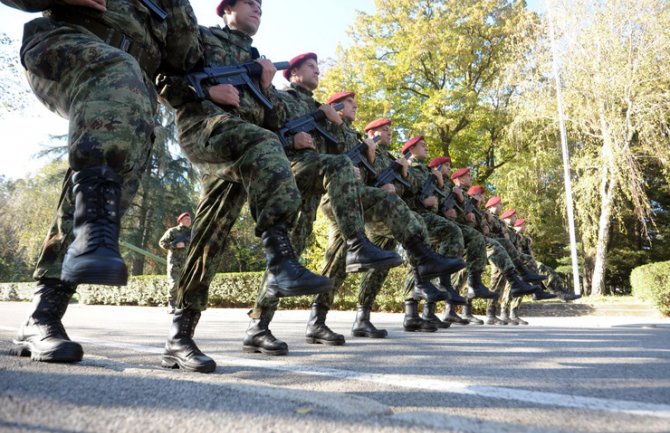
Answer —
(15, 95)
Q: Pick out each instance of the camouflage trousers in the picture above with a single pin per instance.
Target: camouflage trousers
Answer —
(475, 255)
(500, 285)
(318, 174)
(385, 214)
(555, 283)
(496, 255)
(110, 105)
(444, 236)
(173, 275)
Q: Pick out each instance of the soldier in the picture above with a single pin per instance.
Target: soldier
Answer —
(385, 214)
(176, 240)
(226, 137)
(554, 283)
(405, 185)
(497, 255)
(93, 62)
(445, 235)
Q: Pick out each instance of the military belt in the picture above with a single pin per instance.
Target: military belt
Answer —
(113, 38)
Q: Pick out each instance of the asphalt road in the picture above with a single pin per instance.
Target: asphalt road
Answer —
(584, 374)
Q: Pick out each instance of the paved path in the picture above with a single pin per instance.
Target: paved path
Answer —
(577, 374)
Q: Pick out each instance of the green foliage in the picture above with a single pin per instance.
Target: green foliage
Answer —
(652, 283)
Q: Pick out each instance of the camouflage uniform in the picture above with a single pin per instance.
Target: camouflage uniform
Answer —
(107, 94)
(508, 238)
(386, 215)
(175, 257)
(238, 158)
(317, 172)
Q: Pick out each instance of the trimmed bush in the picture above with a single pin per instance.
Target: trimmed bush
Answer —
(652, 283)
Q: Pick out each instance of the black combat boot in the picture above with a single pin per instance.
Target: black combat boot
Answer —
(363, 327)
(451, 316)
(529, 276)
(259, 338)
(491, 318)
(567, 297)
(363, 255)
(429, 316)
(180, 349)
(476, 289)
(93, 257)
(514, 317)
(412, 321)
(541, 295)
(317, 330)
(286, 276)
(518, 286)
(444, 284)
(427, 291)
(467, 315)
(427, 262)
(42, 336)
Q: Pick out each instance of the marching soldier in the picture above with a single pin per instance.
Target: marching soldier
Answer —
(93, 63)
(176, 240)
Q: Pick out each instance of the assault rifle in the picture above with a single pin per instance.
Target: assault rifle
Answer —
(358, 155)
(155, 9)
(183, 238)
(236, 75)
(393, 173)
(429, 189)
(448, 203)
(307, 123)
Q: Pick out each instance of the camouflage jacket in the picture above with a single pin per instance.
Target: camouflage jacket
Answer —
(172, 43)
(348, 138)
(300, 102)
(497, 226)
(481, 222)
(222, 46)
(524, 244)
(171, 238)
(421, 174)
(384, 159)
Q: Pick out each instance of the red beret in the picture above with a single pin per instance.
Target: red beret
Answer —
(377, 124)
(474, 190)
(492, 201)
(337, 97)
(411, 142)
(439, 161)
(182, 216)
(508, 214)
(297, 61)
(460, 172)
(219, 8)
(519, 222)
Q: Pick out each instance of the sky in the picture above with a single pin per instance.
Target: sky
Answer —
(288, 28)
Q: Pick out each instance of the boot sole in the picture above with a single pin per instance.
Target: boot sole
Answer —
(419, 330)
(380, 265)
(60, 355)
(254, 349)
(310, 340)
(368, 334)
(173, 363)
(457, 322)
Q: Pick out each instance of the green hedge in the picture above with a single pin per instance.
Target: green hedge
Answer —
(652, 283)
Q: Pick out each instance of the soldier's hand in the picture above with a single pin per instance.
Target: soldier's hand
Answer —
(98, 5)
(357, 173)
(485, 229)
(303, 140)
(331, 114)
(458, 193)
(470, 217)
(268, 73)
(430, 202)
(372, 149)
(389, 187)
(405, 166)
(438, 177)
(225, 94)
(451, 213)
(180, 245)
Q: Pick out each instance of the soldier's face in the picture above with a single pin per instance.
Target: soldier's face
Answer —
(419, 151)
(384, 133)
(349, 110)
(244, 15)
(306, 75)
(466, 180)
(186, 221)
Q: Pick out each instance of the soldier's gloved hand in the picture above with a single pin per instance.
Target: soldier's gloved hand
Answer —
(389, 187)
(225, 94)
(98, 5)
(268, 73)
(372, 149)
(303, 140)
(405, 166)
(430, 202)
(451, 213)
(180, 245)
(331, 114)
